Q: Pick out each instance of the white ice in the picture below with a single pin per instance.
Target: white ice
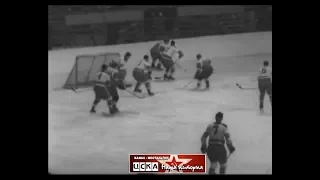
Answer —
(170, 122)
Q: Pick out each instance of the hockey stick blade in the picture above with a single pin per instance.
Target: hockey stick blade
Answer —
(242, 88)
(133, 94)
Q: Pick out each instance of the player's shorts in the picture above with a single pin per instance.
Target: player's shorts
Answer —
(217, 153)
(166, 61)
(101, 92)
(140, 75)
(205, 73)
(265, 85)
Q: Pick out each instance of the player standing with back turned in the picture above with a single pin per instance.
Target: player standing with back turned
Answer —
(204, 70)
(102, 90)
(218, 136)
(265, 84)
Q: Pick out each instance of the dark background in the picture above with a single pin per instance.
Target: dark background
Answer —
(158, 22)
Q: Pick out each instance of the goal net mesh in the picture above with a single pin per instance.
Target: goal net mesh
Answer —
(85, 68)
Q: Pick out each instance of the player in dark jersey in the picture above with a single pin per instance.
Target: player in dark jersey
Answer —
(218, 136)
(204, 70)
(155, 52)
(265, 83)
(102, 91)
(115, 82)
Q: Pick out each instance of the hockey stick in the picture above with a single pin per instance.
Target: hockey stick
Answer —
(133, 94)
(242, 88)
(187, 84)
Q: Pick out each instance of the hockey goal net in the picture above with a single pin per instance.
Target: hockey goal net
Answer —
(85, 68)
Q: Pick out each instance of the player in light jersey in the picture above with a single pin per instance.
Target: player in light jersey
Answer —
(265, 83)
(102, 91)
(142, 75)
(121, 67)
(155, 52)
(169, 58)
(204, 70)
(218, 136)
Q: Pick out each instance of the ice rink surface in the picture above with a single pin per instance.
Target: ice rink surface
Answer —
(170, 122)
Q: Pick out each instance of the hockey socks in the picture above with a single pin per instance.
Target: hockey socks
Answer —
(148, 87)
(136, 89)
(95, 103)
(207, 84)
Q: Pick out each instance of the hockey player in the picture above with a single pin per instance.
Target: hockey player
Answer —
(204, 70)
(265, 83)
(218, 135)
(116, 81)
(102, 91)
(155, 52)
(169, 58)
(121, 67)
(142, 75)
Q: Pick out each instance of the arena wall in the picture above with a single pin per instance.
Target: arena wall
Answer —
(62, 61)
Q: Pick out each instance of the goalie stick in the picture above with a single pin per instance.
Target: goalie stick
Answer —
(245, 88)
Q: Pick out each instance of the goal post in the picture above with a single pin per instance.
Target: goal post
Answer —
(83, 72)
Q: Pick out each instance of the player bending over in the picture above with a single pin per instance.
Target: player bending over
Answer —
(120, 66)
(155, 52)
(218, 135)
(265, 83)
(142, 75)
(204, 70)
(102, 90)
(116, 81)
(169, 58)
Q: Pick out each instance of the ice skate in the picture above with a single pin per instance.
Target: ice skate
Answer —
(92, 111)
(112, 110)
(207, 85)
(171, 78)
(137, 90)
(165, 77)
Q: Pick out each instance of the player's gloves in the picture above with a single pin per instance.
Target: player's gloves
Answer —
(203, 149)
(231, 148)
